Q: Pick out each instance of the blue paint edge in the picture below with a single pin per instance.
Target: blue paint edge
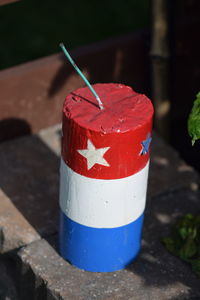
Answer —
(99, 249)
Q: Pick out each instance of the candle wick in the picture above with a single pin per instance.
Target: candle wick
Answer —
(81, 74)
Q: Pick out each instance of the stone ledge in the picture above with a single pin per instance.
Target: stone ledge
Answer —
(156, 274)
(29, 191)
(15, 231)
(168, 172)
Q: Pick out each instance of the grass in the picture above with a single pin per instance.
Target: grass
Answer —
(31, 29)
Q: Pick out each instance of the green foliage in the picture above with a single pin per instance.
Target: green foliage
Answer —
(184, 241)
(194, 120)
(33, 28)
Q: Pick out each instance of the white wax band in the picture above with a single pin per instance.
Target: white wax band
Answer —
(102, 203)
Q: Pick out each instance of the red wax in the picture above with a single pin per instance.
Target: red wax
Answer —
(124, 108)
(123, 124)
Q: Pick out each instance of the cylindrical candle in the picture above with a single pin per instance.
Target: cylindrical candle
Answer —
(103, 176)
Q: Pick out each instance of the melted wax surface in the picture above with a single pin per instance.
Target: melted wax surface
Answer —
(124, 109)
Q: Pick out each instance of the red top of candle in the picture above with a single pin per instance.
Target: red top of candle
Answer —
(124, 109)
(121, 132)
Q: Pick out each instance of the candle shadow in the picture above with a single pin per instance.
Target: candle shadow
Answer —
(12, 128)
(60, 78)
(78, 98)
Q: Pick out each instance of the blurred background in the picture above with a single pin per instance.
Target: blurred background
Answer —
(151, 45)
(33, 29)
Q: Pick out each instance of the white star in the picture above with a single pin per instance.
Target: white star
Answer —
(94, 156)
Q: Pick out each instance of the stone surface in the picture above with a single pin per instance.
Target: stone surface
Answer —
(155, 274)
(15, 231)
(52, 138)
(168, 172)
(29, 177)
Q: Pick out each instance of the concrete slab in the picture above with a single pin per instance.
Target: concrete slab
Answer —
(15, 231)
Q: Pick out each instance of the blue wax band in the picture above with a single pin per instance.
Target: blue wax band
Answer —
(99, 249)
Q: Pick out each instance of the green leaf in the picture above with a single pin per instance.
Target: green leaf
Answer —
(184, 241)
(170, 245)
(196, 266)
(188, 249)
(194, 120)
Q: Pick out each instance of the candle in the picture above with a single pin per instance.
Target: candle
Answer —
(103, 176)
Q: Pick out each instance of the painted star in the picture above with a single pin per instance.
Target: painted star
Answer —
(145, 145)
(94, 155)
